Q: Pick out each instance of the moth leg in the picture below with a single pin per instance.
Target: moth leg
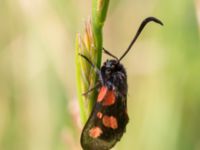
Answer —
(91, 89)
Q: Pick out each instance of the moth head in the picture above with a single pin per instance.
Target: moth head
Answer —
(109, 67)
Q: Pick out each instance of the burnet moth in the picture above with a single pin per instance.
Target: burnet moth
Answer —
(108, 119)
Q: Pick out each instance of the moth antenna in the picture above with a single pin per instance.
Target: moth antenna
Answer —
(143, 24)
(108, 53)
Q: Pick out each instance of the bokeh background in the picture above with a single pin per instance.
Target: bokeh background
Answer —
(38, 105)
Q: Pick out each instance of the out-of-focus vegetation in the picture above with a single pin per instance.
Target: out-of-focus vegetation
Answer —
(38, 109)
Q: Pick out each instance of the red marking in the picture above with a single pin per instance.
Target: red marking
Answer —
(109, 98)
(110, 122)
(95, 132)
(102, 93)
(99, 115)
(106, 121)
(113, 122)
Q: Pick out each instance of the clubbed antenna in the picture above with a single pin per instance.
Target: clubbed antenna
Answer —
(143, 24)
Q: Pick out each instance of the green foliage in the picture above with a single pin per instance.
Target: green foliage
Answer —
(37, 72)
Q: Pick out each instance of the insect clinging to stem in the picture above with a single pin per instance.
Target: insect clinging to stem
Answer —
(108, 119)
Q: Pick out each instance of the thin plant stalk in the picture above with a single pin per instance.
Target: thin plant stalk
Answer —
(90, 45)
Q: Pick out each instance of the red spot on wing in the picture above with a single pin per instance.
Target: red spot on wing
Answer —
(102, 93)
(99, 115)
(109, 98)
(95, 132)
(113, 122)
(110, 122)
(106, 121)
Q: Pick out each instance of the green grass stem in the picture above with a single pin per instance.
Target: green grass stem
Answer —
(90, 45)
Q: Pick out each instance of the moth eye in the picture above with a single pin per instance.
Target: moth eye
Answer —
(112, 66)
(108, 71)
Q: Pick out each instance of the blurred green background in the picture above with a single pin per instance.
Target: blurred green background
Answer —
(38, 107)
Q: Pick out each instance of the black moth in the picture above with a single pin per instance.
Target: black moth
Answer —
(108, 119)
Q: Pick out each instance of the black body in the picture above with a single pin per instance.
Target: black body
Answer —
(114, 78)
